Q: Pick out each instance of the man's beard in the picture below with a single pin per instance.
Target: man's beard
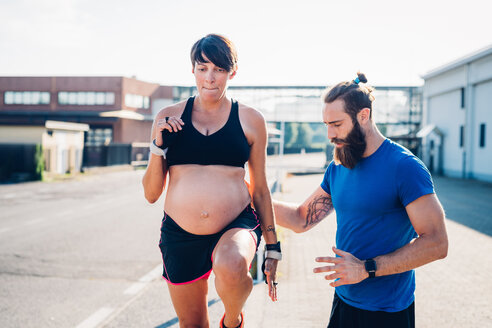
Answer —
(353, 147)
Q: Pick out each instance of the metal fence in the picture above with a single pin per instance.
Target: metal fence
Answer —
(18, 163)
(107, 155)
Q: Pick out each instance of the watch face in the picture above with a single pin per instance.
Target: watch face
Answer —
(370, 265)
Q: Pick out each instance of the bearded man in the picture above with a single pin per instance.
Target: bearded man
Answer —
(389, 219)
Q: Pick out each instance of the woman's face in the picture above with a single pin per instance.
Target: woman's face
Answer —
(211, 80)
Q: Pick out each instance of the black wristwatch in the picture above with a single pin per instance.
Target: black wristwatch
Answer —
(371, 267)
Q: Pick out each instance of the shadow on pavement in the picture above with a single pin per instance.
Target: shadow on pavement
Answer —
(175, 320)
(468, 202)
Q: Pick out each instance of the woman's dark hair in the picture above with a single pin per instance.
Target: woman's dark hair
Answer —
(354, 95)
(218, 49)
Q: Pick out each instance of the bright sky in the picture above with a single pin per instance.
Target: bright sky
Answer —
(279, 42)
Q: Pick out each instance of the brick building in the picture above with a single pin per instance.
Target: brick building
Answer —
(113, 117)
(117, 109)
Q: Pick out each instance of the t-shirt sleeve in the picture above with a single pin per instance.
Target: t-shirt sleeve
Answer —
(413, 180)
(325, 184)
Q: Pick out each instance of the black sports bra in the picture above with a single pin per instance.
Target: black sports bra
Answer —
(228, 146)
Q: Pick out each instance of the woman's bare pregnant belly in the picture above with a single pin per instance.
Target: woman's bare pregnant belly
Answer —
(203, 199)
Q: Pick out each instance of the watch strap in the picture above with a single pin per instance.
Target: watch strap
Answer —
(273, 247)
(273, 255)
(370, 266)
(156, 150)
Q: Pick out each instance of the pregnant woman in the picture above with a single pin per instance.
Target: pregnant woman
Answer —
(209, 223)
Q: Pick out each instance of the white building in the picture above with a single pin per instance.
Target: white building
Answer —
(458, 102)
(62, 142)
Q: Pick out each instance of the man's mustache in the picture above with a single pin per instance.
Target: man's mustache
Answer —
(338, 141)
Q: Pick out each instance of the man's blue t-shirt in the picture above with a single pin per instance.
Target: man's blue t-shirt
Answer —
(369, 202)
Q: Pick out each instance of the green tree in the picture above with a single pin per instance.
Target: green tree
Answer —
(38, 163)
(304, 135)
(290, 137)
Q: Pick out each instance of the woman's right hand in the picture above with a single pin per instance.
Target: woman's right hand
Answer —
(171, 124)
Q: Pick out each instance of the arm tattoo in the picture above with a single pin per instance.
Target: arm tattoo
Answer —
(318, 209)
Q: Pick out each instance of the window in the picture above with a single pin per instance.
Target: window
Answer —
(91, 98)
(18, 97)
(85, 98)
(482, 135)
(462, 97)
(100, 98)
(109, 98)
(72, 98)
(462, 136)
(137, 101)
(62, 98)
(81, 98)
(45, 98)
(26, 98)
(8, 97)
(99, 137)
(35, 97)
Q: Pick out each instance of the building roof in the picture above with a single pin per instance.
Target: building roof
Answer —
(425, 131)
(459, 62)
(57, 125)
(128, 114)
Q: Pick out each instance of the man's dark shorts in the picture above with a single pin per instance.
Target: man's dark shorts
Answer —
(346, 316)
(187, 257)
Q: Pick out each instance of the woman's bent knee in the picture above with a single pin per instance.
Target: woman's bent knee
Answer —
(231, 269)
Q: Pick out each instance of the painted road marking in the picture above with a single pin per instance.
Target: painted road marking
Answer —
(142, 282)
(135, 288)
(9, 196)
(96, 318)
(155, 273)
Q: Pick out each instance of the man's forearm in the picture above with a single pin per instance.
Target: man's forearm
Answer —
(300, 218)
(288, 216)
(418, 252)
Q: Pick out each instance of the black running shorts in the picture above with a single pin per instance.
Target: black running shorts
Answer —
(188, 257)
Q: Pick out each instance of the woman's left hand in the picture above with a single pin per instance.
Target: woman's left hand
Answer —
(271, 277)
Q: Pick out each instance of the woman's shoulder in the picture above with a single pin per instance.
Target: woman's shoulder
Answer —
(250, 114)
(172, 110)
(252, 122)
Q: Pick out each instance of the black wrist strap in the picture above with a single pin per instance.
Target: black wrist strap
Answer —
(273, 247)
(371, 267)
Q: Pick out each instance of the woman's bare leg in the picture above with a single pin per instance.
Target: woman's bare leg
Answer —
(190, 303)
(231, 259)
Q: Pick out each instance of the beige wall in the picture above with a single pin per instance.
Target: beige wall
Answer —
(21, 134)
(63, 151)
(129, 131)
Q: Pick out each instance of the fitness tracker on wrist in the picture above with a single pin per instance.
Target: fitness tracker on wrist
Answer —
(273, 251)
(371, 267)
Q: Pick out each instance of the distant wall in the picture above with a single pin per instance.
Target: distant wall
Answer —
(21, 134)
